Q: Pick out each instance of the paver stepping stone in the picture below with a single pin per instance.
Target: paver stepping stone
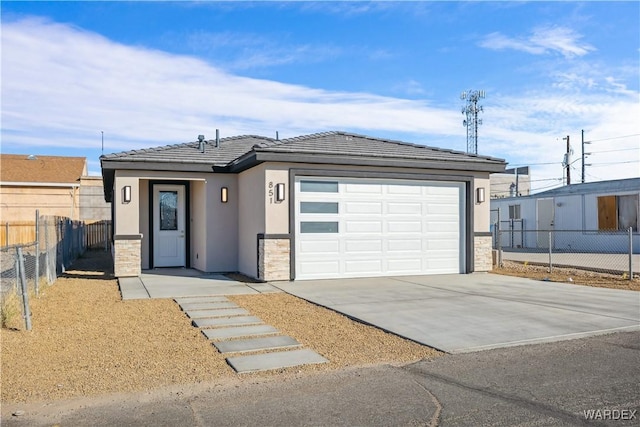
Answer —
(201, 299)
(254, 344)
(226, 312)
(207, 305)
(277, 360)
(226, 321)
(238, 331)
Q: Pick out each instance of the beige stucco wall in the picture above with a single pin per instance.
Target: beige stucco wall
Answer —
(277, 213)
(20, 203)
(221, 224)
(251, 217)
(198, 225)
(481, 211)
(127, 215)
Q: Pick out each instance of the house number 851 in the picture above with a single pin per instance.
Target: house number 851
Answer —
(270, 192)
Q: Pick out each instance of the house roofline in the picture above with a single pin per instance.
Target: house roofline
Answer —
(38, 184)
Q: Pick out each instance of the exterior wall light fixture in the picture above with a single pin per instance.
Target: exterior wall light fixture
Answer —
(126, 194)
(280, 192)
(224, 194)
(480, 195)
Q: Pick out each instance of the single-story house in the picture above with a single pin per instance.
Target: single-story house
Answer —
(596, 209)
(326, 205)
(55, 185)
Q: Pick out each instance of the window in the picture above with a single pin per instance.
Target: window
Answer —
(168, 210)
(318, 227)
(319, 207)
(618, 212)
(514, 211)
(318, 186)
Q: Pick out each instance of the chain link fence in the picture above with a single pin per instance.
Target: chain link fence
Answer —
(26, 268)
(612, 252)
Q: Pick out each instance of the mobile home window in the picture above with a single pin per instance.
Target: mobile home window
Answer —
(514, 211)
(618, 212)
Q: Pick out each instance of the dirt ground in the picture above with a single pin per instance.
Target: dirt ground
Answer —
(569, 275)
(86, 341)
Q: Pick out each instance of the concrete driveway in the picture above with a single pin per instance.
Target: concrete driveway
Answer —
(464, 313)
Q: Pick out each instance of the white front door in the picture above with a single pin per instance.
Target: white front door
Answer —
(168, 226)
(545, 213)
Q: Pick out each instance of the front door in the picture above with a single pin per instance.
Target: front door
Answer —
(545, 213)
(169, 244)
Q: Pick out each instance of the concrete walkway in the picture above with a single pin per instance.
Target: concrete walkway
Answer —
(181, 282)
(464, 313)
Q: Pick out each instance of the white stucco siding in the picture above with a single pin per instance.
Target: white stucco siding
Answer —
(198, 250)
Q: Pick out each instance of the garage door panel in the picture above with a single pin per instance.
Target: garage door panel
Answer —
(404, 245)
(404, 265)
(359, 246)
(362, 207)
(352, 226)
(404, 190)
(319, 246)
(394, 208)
(384, 228)
(404, 226)
(365, 267)
(362, 188)
(319, 268)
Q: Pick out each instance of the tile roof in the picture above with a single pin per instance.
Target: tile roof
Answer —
(43, 169)
(228, 150)
(350, 144)
(232, 149)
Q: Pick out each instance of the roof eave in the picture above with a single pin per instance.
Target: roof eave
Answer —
(256, 157)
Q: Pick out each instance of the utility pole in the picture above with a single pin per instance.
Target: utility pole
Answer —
(583, 154)
(568, 160)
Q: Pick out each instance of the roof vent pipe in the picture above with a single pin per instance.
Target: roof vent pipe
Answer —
(217, 138)
(201, 143)
(277, 136)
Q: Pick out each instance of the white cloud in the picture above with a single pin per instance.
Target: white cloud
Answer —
(543, 40)
(61, 86)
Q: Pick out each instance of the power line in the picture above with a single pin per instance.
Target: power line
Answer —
(613, 163)
(611, 151)
(613, 137)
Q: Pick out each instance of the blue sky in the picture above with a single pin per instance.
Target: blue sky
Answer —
(156, 73)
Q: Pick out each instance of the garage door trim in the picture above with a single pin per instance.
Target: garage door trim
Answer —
(468, 212)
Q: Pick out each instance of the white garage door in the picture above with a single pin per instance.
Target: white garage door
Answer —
(364, 228)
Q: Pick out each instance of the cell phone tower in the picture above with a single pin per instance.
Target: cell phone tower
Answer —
(471, 110)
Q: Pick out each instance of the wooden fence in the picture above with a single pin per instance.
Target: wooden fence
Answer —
(97, 234)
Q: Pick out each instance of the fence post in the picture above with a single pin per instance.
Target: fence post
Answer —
(499, 245)
(25, 290)
(550, 263)
(6, 233)
(630, 253)
(37, 278)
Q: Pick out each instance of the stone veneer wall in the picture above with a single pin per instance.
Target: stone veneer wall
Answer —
(127, 256)
(274, 257)
(482, 253)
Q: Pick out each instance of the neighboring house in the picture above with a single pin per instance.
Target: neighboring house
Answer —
(596, 208)
(326, 205)
(511, 183)
(54, 185)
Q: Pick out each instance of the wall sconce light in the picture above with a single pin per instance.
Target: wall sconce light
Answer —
(280, 192)
(126, 194)
(480, 195)
(224, 194)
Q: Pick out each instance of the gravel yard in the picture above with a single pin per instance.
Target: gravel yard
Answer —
(569, 275)
(86, 341)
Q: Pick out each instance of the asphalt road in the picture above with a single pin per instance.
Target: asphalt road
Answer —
(537, 385)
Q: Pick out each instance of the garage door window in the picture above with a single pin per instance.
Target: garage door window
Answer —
(319, 186)
(318, 227)
(319, 207)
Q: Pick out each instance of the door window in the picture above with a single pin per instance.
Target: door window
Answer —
(168, 210)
